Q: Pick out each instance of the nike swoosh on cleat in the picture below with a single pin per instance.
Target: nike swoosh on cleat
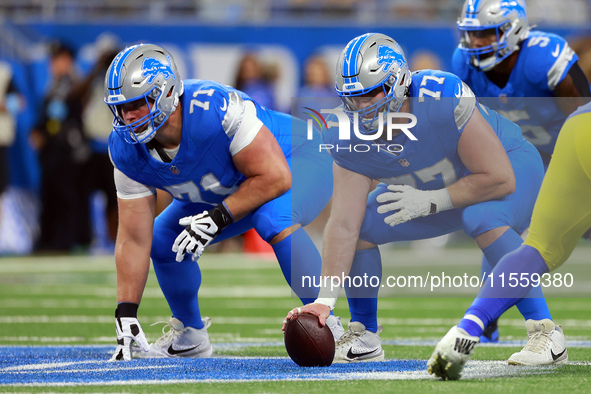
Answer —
(173, 351)
(556, 356)
(352, 355)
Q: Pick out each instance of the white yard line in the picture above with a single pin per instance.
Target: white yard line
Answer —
(474, 370)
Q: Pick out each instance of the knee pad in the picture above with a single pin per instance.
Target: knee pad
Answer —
(266, 227)
(480, 218)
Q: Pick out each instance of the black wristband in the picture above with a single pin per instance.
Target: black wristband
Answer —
(221, 216)
(126, 309)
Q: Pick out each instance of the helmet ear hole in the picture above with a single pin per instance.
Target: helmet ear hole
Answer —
(391, 80)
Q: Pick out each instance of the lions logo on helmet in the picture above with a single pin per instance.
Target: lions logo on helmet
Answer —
(142, 72)
(386, 56)
(506, 20)
(370, 64)
(152, 67)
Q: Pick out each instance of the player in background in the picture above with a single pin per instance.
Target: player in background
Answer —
(501, 58)
(531, 77)
(230, 165)
(561, 215)
(469, 169)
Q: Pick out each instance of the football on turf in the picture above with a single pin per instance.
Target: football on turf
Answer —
(307, 342)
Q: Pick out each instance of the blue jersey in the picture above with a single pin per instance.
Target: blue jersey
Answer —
(203, 170)
(542, 63)
(442, 104)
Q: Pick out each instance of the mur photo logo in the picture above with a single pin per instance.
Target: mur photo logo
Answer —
(389, 125)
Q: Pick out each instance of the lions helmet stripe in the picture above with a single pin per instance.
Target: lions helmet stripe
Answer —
(350, 59)
(472, 8)
(115, 73)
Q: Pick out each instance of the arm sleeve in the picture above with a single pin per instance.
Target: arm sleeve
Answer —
(558, 70)
(548, 58)
(128, 189)
(464, 106)
(243, 126)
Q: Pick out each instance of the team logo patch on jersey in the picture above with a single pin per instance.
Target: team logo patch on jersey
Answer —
(386, 56)
(152, 67)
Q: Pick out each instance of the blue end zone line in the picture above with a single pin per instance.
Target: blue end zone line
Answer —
(86, 365)
(89, 365)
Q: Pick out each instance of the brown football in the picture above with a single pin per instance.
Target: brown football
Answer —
(307, 342)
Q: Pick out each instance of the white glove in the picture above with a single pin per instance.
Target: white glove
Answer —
(128, 331)
(412, 203)
(200, 231)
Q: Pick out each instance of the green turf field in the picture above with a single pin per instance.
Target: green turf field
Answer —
(69, 300)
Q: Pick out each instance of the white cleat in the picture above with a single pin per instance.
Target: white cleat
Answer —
(451, 354)
(357, 345)
(336, 327)
(179, 341)
(546, 345)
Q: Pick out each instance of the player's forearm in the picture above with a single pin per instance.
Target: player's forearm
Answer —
(256, 191)
(341, 233)
(338, 248)
(476, 188)
(337, 258)
(133, 265)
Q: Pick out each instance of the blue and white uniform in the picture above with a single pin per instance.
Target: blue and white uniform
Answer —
(527, 99)
(442, 104)
(217, 123)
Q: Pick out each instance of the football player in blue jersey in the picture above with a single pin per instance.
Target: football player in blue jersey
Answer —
(230, 165)
(461, 166)
(531, 77)
(501, 58)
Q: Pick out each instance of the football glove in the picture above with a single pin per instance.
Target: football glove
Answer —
(200, 231)
(129, 330)
(412, 203)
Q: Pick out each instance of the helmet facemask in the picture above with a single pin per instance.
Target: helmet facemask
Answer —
(144, 129)
(369, 118)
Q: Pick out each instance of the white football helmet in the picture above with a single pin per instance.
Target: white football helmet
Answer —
(368, 62)
(505, 18)
(142, 72)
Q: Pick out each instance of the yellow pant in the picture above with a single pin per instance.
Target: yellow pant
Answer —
(562, 212)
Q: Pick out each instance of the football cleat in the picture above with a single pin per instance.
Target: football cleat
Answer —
(336, 327)
(179, 341)
(491, 333)
(451, 354)
(545, 345)
(358, 344)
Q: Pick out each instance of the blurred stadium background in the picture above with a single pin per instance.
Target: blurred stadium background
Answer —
(69, 298)
(209, 39)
